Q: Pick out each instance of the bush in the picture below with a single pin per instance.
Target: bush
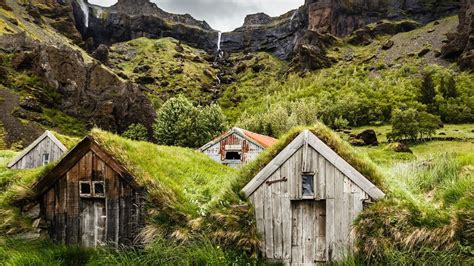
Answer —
(179, 123)
(279, 118)
(136, 132)
(412, 124)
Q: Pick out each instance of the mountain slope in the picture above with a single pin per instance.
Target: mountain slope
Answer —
(58, 84)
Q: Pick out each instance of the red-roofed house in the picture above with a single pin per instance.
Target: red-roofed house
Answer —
(237, 147)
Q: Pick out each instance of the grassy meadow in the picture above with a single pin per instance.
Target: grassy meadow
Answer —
(427, 215)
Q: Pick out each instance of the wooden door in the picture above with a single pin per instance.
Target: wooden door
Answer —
(93, 222)
(308, 232)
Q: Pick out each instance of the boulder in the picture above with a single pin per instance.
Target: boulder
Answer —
(423, 52)
(142, 69)
(101, 53)
(367, 137)
(387, 45)
(145, 80)
(400, 147)
(257, 68)
(31, 104)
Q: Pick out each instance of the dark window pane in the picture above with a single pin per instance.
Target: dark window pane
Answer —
(85, 188)
(232, 155)
(308, 186)
(45, 159)
(99, 189)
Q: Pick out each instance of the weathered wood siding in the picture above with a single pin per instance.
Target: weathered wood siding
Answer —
(249, 150)
(34, 158)
(297, 230)
(115, 219)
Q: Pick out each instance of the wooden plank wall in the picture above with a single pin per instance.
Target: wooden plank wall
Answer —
(249, 151)
(62, 205)
(279, 218)
(34, 158)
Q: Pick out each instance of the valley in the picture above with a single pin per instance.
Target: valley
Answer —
(150, 88)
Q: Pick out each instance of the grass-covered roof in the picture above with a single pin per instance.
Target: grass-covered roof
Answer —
(188, 177)
(364, 165)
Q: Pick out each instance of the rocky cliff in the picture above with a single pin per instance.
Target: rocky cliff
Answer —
(86, 90)
(342, 17)
(130, 19)
(261, 32)
(461, 44)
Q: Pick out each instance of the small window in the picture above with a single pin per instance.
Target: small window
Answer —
(85, 188)
(308, 184)
(45, 158)
(99, 189)
(232, 155)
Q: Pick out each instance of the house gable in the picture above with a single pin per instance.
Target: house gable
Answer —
(73, 157)
(304, 140)
(57, 150)
(244, 134)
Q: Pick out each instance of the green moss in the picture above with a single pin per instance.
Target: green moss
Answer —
(174, 72)
(64, 123)
(357, 160)
(170, 169)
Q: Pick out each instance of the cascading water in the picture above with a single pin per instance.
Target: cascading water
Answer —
(85, 11)
(294, 15)
(220, 53)
(219, 40)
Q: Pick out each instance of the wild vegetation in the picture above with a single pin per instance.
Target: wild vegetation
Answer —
(195, 212)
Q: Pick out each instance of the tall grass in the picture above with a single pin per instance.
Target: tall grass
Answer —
(161, 252)
(425, 218)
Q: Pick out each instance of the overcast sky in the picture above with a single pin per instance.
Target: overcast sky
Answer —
(224, 15)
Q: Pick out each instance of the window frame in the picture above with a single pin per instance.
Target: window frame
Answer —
(45, 161)
(233, 151)
(85, 195)
(312, 176)
(96, 195)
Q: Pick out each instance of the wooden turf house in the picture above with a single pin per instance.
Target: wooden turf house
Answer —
(45, 149)
(237, 147)
(90, 199)
(306, 199)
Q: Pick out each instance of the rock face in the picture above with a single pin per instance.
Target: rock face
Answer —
(130, 19)
(257, 19)
(342, 17)
(87, 91)
(262, 33)
(461, 44)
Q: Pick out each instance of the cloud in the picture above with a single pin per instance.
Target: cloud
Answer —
(224, 15)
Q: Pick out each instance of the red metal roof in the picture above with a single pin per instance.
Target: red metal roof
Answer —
(263, 140)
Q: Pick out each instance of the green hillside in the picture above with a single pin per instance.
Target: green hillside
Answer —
(419, 104)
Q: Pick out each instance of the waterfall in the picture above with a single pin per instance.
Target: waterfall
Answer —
(85, 11)
(294, 15)
(219, 40)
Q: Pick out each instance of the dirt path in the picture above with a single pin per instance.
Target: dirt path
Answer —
(15, 130)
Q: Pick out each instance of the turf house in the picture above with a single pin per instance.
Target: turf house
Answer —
(45, 149)
(237, 147)
(306, 199)
(99, 192)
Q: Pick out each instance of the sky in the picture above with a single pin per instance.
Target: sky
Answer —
(223, 15)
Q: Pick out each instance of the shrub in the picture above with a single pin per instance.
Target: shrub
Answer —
(136, 132)
(412, 124)
(179, 123)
